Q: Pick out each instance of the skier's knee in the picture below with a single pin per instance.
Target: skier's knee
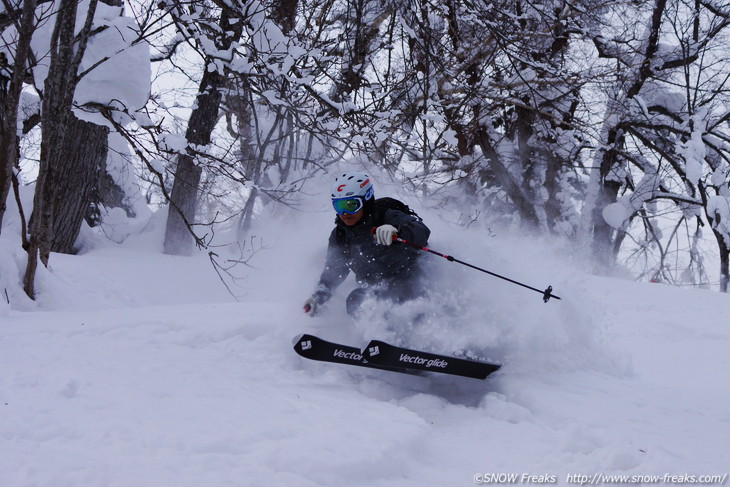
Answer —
(355, 300)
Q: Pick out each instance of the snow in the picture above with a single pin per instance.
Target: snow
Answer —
(173, 143)
(616, 214)
(694, 150)
(122, 81)
(136, 368)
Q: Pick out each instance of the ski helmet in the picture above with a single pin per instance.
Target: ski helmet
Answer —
(353, 184)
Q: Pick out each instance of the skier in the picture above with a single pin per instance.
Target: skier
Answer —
(362, 242)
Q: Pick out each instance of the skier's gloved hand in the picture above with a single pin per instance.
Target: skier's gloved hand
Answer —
(384, 234)
(311, 304)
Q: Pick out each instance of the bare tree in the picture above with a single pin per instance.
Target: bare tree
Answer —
(657, 135)
(67, 50)
(179, 236)
(12, 75)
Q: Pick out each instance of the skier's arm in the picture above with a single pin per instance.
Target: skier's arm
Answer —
(334, 273)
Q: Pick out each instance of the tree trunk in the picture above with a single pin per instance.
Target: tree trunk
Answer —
(362, 21)
(509, 185)
(9, 99)
(284, 13)
(66, 53)
(184, 197)
(74, 180)
(239, 107)
(724, 264)
(183, 205)
(613, 141)
(724, 250)
(105, 193)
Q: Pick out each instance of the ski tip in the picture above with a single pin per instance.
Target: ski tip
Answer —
(297, 339)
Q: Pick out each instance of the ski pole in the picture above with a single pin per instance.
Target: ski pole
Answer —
(546, 294)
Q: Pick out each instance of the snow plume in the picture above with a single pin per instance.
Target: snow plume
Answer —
(464, 311)
(472, 314)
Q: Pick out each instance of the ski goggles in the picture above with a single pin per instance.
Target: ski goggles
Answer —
(350, 205)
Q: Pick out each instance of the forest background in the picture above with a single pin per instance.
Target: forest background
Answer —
(605, 124)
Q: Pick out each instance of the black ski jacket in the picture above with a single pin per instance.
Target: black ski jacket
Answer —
(375, 266)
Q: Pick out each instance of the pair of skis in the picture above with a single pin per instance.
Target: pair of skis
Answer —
(384, 356)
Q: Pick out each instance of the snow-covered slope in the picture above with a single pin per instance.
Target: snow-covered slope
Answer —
(138, 369)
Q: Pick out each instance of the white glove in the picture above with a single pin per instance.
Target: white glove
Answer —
(384, 234)
(310, 306)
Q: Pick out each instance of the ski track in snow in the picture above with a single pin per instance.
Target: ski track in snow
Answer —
(179, 389)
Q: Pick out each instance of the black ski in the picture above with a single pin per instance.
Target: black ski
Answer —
(382, 353)
(314, 348)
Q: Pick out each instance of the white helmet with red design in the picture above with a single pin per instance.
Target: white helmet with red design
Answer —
(353, 184)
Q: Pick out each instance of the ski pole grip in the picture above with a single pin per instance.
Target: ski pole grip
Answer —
(307, 308)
